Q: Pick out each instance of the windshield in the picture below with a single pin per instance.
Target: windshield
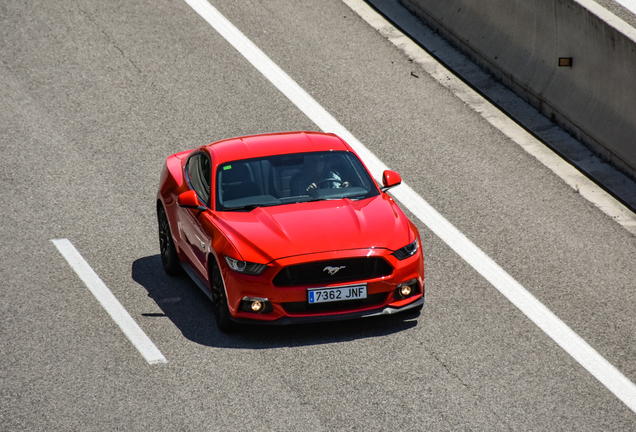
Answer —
(243, 185)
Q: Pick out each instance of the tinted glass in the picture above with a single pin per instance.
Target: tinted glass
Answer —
(199, 174)
(286, 179)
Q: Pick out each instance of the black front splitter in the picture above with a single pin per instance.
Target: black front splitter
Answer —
(335, 317)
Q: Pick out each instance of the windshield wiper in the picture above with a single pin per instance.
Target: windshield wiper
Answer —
(323, 199)
(358, 197)
(248, 207)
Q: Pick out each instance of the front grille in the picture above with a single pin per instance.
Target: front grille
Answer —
(304, 307)
(349, 270)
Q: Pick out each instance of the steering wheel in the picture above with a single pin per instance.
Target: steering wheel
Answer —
(338, 182)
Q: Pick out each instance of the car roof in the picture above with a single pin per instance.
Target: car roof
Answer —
(255, 146)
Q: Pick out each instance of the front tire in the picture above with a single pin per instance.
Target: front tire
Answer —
(169, 256)
(219, 301)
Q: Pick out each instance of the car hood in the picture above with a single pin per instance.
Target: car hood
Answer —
(269, 233)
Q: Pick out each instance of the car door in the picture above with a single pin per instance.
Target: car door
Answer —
(198, 242)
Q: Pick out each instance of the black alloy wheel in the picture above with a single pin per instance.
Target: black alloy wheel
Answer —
(169, 256)
(219, 301)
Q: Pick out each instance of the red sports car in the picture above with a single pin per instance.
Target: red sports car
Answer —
(288, 227)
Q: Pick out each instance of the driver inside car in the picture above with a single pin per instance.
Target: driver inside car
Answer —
(317, 174)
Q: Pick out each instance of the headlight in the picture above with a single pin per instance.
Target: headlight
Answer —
(245, 267)
(406, 251)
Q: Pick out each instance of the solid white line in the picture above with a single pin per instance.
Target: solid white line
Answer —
(591, 360)
(628, 4)
(131, 329)
(570, 175)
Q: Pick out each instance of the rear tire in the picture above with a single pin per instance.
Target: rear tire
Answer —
(169, 256)
(219, 301)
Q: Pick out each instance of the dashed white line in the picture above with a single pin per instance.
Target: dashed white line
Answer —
(567, 339)
(118, 313)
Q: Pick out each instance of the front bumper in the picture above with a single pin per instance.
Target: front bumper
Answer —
(288, 304)
(388, 310)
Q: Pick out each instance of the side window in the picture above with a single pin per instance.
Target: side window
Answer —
(199, 175)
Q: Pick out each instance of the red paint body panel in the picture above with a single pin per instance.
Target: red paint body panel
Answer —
(270, 233)
(286, 235)
(272, 144)
(174, 164)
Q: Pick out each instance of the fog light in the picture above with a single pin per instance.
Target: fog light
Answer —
(406, 289)
(258, 305)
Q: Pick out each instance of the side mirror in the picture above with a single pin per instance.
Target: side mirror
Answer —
(390, 179)
(190, 199)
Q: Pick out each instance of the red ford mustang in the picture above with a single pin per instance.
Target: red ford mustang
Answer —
(288, 227)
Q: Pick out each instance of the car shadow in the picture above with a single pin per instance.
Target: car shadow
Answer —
(191, 311)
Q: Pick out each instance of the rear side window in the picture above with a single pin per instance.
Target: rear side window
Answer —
(199, 173)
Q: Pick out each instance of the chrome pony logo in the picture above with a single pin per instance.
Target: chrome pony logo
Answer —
(333, 270)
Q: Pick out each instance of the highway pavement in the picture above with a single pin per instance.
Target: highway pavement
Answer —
(624, 9)
(95, 95)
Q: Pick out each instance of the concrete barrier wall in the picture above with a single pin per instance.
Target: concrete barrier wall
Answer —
(520, 42)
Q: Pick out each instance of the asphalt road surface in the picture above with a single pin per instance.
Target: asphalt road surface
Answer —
(95, 95)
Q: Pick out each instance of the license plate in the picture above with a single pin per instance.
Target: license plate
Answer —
(322, 295)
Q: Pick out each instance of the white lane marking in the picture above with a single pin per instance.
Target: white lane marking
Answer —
(570, 175)
(572, 343)
(567, 339)
(126, 323)
(628, 4)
